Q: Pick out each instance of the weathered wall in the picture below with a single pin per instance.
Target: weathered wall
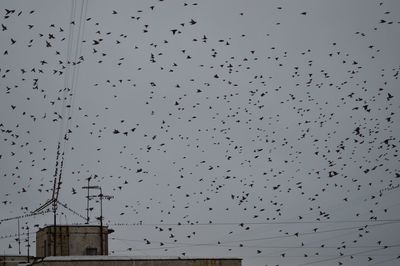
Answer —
(70, 240)
(40, 243)
(13, 260)
(90, 238)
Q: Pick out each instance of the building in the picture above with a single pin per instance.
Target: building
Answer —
(134, 261)
(72, 240)
(87, 245)
(13, 260)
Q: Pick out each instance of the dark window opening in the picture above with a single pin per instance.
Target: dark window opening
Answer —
(91, 251)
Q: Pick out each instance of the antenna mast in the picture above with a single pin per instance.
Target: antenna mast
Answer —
(101, 196)
(87, 200)
(19, 239)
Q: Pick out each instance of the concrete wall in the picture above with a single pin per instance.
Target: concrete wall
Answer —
(71, 240)
(155, 262)
(13, 260)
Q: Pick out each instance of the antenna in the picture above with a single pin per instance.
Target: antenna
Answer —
(87, 199)
(101, 196)
(55, 228)
(27, 240)
(19, 239)
(101, 217)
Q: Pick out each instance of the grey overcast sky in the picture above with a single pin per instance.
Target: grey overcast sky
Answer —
(266, 130)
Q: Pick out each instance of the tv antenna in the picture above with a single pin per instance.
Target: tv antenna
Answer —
(101, 196)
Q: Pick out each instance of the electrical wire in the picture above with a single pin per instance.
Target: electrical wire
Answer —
(74, 82)
(349, 255)
(254, 223)
(24, 216)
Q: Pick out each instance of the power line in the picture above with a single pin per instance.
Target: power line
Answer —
(252, 246)
(16, 235)
(309, 233)
(249, 240)
(254, 223)
(277, 237)
(24, 216)
(66, 86)
(349, 255)
(383, 261)
(74, 82)
(71, 210)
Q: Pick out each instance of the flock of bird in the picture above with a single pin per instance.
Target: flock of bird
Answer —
(217, 131)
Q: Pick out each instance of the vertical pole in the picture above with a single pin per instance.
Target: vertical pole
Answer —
(68, 241)
(54, 231)
(28, 242)
(101, 222)
(87, 202)
(19, 239)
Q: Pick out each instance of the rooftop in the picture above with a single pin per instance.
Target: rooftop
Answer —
(128, 258)
(76, 226)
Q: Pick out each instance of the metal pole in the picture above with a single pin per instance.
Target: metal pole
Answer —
(101, 221)
(87, 203)
(54, 232)
(28, 242)
(19, 239)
